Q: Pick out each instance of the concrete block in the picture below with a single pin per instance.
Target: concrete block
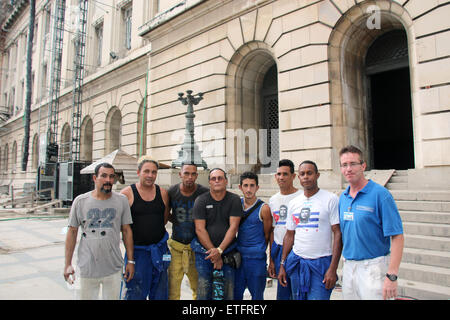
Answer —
(328, 13)
(234, 33)
(263, 22)
(433, 72)
(248, 23)
(436, 126)
(433, 21)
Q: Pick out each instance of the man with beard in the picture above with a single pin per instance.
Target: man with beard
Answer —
(102, 214)
(149, 206)
(182, 197)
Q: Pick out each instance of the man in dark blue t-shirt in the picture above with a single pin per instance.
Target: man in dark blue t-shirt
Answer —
(182, 197)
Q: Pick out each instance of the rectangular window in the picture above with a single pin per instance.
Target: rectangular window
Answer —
(127, 13)
(11, 101)
(44, 92)
(99, 43)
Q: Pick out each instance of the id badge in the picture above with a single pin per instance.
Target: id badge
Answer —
(348, 216)
(167, 257)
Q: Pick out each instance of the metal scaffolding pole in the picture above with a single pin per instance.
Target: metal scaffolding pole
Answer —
(77, 92)
(55, 80)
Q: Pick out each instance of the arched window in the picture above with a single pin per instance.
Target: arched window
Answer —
(86, 139)
(14, 157)
(252, 89)
(64, 148)
(35, 152)
(5, 159)
(113, 130)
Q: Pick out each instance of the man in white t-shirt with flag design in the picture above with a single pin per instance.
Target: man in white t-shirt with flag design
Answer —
(279, 203)
(312, 221)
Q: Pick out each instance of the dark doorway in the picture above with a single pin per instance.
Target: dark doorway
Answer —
(390, 129)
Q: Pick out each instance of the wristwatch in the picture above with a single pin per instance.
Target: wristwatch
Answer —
(392, 277)
(131, 261)
(220, 250)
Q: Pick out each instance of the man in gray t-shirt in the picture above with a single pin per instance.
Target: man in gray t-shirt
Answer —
(101, 214)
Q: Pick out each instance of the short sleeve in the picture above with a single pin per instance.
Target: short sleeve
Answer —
(391, 220)
(290, 223)
(198, 211)
(73, 215)
(236, 207)
(333, 207)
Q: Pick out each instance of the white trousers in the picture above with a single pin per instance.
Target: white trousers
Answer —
(90, 287)
(364, 279)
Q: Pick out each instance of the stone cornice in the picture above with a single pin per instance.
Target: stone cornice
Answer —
(177, 22)
(17, 11)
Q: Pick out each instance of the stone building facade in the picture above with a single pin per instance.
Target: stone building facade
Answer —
(280, 78)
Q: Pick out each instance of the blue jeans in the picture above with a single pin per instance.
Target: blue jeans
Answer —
(306, 277)
(252, 274)
(205, 274)
(150, 277)
(205, 270)
(283, 293)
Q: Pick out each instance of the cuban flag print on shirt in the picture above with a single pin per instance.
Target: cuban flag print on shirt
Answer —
(280, 215)
(305, 218)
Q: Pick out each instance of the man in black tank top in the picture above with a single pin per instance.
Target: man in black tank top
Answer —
(149, 206)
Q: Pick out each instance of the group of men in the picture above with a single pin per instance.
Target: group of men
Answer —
(219, 240)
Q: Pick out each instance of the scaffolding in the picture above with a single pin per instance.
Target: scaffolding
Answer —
(55, 81)
(77, 92)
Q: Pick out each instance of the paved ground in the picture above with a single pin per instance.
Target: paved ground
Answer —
(32, 261)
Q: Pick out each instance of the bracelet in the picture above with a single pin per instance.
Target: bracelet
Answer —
(131, 261)
(282, 262)
(220, 250)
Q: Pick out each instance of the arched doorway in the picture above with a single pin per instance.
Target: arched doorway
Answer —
(252, 110)
(360, 64)
(390, 128)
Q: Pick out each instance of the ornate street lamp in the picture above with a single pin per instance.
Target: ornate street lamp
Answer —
(189, 152)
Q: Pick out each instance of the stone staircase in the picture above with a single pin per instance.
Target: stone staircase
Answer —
(425, 268)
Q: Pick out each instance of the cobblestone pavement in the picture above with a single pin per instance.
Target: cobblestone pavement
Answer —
(32, 261)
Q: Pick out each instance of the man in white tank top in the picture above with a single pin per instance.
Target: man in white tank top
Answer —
(279, 207)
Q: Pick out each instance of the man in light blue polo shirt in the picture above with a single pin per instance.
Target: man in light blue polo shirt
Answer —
(372, 233)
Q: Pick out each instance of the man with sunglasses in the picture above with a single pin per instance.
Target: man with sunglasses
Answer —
(216, 214)
(372, 233)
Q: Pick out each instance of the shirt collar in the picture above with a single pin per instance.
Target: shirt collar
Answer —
(366, 188)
